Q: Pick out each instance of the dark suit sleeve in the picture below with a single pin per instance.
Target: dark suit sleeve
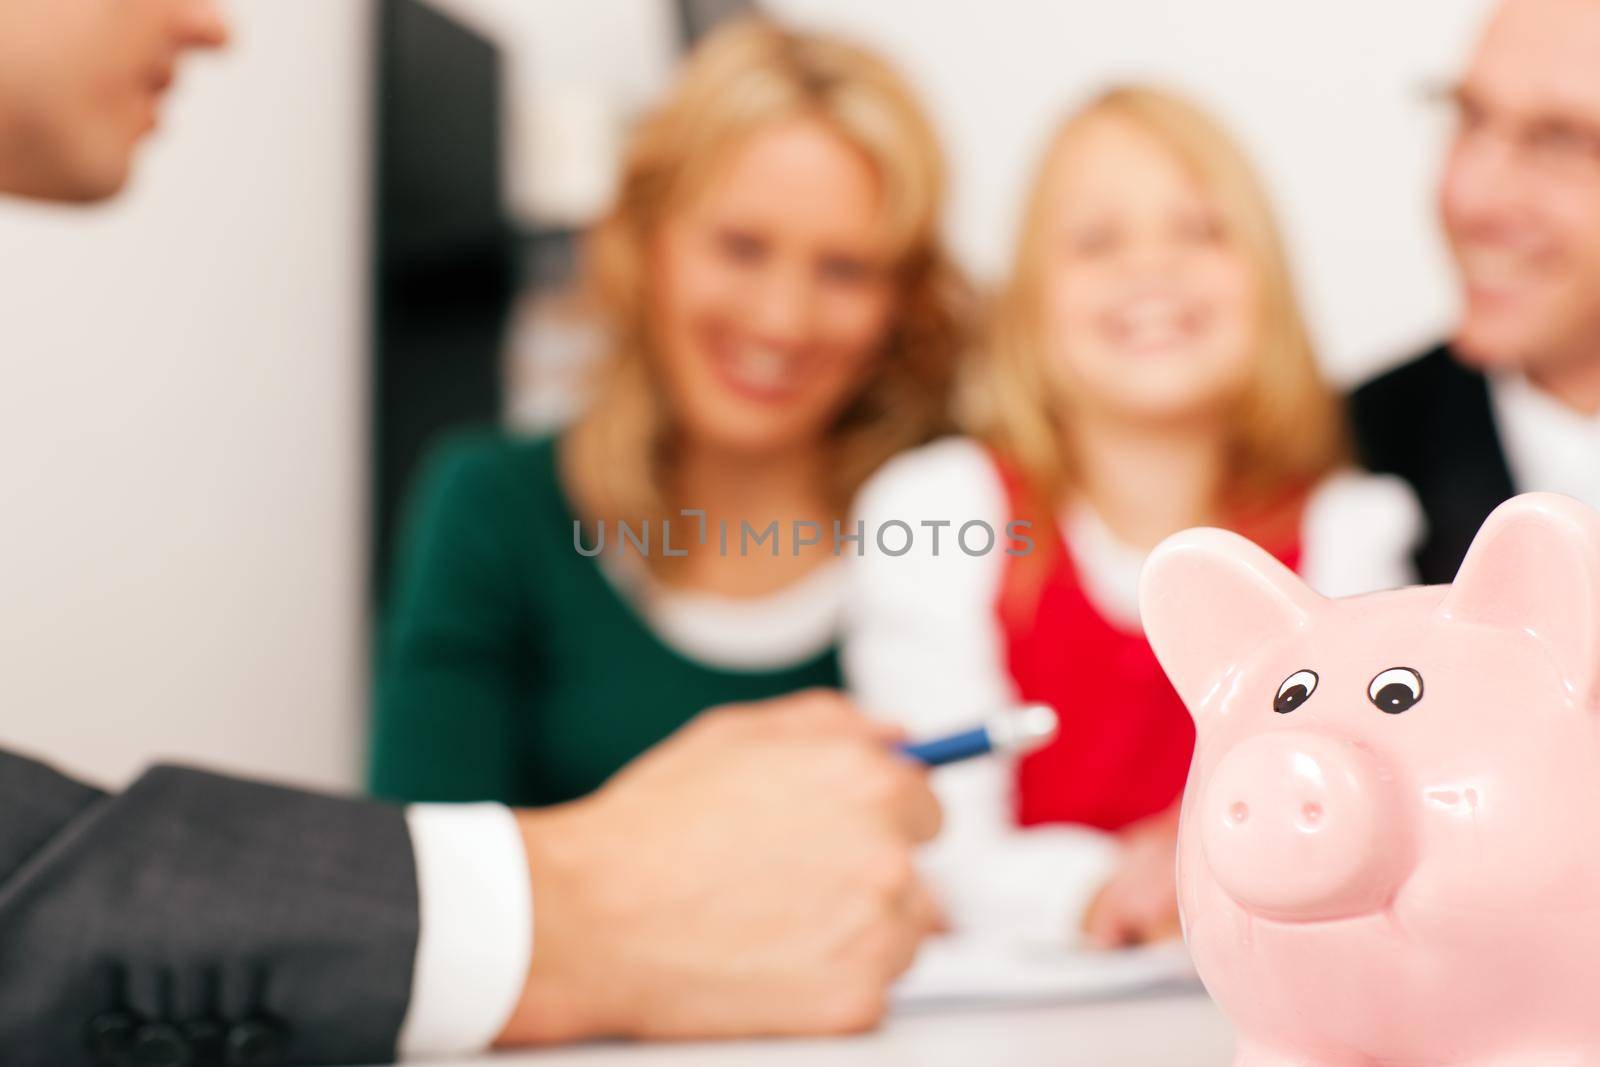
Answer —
(201, 919)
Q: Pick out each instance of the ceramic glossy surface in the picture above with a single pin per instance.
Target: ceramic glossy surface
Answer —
(1390, 844)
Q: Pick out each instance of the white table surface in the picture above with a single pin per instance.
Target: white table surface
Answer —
(1177, 1030)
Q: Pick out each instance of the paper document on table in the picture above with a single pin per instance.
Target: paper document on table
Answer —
(956, 970)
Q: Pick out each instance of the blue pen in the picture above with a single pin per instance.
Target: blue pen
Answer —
(1012, 732)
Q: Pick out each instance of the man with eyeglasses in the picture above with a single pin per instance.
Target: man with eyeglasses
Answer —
(1511, 403)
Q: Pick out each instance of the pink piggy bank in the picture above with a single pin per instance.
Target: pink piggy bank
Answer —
(1390, 844)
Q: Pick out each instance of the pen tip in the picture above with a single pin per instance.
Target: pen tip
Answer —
(1037, 722)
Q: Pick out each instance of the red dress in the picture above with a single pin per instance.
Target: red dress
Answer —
(1125, 741)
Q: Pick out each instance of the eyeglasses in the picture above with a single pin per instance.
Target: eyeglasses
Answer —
(1555, 145)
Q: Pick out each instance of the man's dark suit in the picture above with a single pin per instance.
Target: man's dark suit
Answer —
(1430, 422)
(194, 919)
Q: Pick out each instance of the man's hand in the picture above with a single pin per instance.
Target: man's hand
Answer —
(750, 875)
(1139, 902)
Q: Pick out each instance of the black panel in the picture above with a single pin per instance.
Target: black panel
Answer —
(442, 245)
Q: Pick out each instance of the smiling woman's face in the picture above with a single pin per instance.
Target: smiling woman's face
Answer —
(1150, 309)
(772, 292)
(80, 82)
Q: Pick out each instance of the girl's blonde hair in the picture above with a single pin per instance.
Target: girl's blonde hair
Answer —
(748, 75)
(1288, 428)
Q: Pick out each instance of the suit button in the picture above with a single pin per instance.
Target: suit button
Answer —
(255, 1043)
(111, 1037)
(160, 1045)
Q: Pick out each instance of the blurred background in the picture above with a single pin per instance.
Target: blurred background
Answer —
(354, 229)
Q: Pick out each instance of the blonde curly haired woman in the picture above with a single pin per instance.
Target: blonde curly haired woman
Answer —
(781, 319)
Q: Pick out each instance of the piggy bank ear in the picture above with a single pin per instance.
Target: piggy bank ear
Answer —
(1535, 567)
(1208, 599)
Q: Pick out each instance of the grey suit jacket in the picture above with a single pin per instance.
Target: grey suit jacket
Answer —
(195, 919)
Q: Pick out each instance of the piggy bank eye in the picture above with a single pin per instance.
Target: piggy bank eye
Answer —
(1295, 690)
(1395, 690)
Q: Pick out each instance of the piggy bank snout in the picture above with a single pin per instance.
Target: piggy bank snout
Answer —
(1302, 827)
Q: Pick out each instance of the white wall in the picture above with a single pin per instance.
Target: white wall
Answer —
(1325, 96)
(181, 428)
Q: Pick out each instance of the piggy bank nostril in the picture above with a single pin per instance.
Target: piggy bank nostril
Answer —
(1299, 827)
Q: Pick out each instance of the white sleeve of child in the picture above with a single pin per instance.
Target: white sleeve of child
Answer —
(923, 648)
(1359, 533)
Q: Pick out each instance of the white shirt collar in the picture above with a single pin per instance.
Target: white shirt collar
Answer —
(1549, 447)
(765, 633)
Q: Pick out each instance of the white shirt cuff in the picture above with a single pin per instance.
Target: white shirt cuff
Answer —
(476, 927)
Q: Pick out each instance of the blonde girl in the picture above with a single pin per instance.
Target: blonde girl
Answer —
(1148, 370)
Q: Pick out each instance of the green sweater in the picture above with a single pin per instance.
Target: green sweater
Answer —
(511, 668)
